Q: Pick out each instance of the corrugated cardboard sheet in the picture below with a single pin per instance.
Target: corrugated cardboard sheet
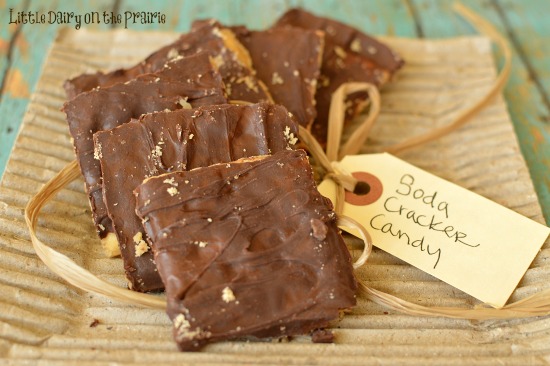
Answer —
(44, 321)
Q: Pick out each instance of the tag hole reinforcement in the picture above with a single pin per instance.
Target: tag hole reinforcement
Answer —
(367, 190)
(362, 188)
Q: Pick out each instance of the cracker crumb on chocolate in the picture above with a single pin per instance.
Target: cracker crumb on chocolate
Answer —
(292, 140)
(340, 52)
(183, 329)
(276, 79)
(156, 152)
(180, 321)
(355, 45)
(228, 295)
(170, 181)
(173, 53)
(173, 191)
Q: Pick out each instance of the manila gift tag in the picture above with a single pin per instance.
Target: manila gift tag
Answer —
(464, 239)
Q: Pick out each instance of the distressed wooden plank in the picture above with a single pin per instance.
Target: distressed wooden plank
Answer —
(528, 23)
(9, 42)
(7, 39)
(525, 102)
(30, 48)
(373, 16)
(531, 29)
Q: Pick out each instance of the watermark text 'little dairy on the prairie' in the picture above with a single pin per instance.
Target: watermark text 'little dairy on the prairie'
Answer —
(92, 17)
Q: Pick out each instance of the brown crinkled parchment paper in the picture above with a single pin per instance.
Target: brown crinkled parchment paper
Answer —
(43, 320)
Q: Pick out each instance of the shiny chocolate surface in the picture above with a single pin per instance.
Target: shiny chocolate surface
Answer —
(248, 248)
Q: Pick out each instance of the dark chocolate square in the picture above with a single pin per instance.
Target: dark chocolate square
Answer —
(181, 140)
(288, 61)
(248, 248)
(349, 55)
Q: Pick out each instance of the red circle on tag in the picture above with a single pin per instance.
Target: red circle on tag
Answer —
(371, 187)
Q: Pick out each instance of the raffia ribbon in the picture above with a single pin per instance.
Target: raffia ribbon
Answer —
(63, 265)
(534, 305)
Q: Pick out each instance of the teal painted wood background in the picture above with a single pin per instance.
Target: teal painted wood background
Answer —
(23, 48)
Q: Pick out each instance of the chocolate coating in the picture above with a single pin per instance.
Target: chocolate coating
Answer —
(349, 55)
(190, 80)
(242, 250)
(180, 140)
(288, 61)
(339, 68)
(231, 59)
(87, 82)
(345, 36)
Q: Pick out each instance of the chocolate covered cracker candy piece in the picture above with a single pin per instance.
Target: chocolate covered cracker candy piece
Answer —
(231, 58)
(340, 67)
(346, 37)
(185, 82)
(349, 55)
(288, 61)
(86, 82)
(181, 140)
(248, 248)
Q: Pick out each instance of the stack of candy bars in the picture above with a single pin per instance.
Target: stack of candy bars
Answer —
(190, 166)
